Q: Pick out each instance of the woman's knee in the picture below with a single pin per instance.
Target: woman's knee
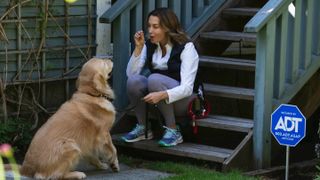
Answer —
(136, 84)
(155, 83)
(159, 82)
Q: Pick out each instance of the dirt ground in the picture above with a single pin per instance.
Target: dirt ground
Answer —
(305, 170)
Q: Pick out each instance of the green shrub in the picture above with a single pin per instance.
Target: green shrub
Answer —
(17, 133)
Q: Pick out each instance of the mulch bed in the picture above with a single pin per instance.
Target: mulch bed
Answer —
(301, 170)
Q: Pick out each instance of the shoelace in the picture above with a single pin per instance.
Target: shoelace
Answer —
(169, 132)
(137, 129)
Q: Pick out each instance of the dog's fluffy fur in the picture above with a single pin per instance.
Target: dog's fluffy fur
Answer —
(80, 128)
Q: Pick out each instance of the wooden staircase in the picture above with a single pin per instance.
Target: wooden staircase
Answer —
(227, 63)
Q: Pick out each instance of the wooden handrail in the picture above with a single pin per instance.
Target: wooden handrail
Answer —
(116, 9)
(204, 17)
(270, 9)
(286, 58)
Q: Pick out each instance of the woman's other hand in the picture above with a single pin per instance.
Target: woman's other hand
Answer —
(155, 97)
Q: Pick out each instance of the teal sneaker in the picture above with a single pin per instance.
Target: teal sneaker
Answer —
(171, 137)
(137, 134)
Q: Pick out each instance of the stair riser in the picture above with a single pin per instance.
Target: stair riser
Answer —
(233, 96)
(228, 77)
(242, 12)
(229, 36)
(234, 127)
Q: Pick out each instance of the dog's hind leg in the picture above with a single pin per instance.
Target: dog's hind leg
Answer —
(97, 163)
(59, 164)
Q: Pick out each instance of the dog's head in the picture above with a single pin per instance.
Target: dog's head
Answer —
(93, 78)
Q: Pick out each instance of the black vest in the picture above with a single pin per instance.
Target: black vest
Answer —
(174, 62)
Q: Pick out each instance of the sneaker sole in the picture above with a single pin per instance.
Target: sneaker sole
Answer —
(173, 144)
(150, 136)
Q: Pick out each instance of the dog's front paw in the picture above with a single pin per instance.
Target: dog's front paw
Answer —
(75, 175)
(103, 166)
(81, 175)
(115, 166)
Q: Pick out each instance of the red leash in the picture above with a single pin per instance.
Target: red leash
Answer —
(198, 109)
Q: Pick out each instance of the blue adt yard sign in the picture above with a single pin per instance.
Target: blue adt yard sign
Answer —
(288, 125)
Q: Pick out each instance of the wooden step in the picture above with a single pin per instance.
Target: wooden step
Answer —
(242, 11)
(231, 63)
(185, 149)
(230, 36)
(236, 51)
(227, 123)
(228, 91)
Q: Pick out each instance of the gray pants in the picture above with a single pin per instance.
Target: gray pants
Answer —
(138, 86)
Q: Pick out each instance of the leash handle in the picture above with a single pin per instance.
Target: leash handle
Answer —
(146, 123)
(195, 130)
(194, 126)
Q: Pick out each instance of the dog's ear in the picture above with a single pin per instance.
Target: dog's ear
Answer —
(81, 82)
(101, 85)
(110, 64)
(99, 82)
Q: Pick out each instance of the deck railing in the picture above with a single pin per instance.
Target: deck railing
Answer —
(128, 16)
(287, 55)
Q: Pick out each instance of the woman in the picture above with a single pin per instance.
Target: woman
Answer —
(173, 62)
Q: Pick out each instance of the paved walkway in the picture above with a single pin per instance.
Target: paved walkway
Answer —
(128, 173)
(125, 173)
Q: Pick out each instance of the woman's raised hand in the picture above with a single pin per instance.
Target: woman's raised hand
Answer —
(139, 42)
(139, 39)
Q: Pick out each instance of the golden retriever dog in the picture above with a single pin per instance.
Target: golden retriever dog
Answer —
(79, 129)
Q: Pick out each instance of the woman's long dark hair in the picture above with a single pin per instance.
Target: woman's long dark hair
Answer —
(170, 23)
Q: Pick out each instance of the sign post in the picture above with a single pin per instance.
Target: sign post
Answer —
(288, 126)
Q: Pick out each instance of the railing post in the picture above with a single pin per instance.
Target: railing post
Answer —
(162, 3)
(138, 18)
(198, 7)
(290, 42)
(310, 29)
(149, 5)
(316, 42)
(280, 78)
(103, 36)
(186, 14)
(264, 95)
(176, 6)
(299, 37)
(120, 57)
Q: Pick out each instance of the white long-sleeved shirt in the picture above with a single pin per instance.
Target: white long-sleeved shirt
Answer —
(189, 66)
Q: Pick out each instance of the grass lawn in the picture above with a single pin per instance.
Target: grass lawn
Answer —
(183, 170)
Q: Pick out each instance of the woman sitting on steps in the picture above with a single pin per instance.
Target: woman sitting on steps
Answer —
(173, 63)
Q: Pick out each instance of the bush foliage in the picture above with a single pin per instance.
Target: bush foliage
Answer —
(17, 133)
